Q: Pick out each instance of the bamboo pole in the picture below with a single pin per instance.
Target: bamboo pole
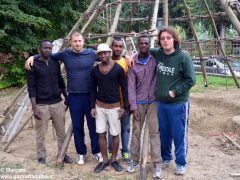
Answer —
(220, 44)
(11, 105)
(64, 147)
(235, 175)
(232, 141)
(94, 14)
(165, 12)
(19, 130)
(15, 119)
(96, 36)
(154, 20)
(145, 146)
(80, 20)
(197, 43)
(54, 132)
(177, 19)
(115, 22)
(17, 124)
(232, 17)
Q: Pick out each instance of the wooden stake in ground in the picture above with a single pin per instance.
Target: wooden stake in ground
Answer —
(232, 141)
(19, 130)
(63, 150)
(145, 145)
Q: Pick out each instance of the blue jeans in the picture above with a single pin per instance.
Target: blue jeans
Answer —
(125, 133)
(79, 106)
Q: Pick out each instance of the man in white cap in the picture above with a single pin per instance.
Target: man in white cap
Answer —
(107, 76)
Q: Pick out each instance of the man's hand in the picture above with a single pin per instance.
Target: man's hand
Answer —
(171, 94)
(36, 113)
(136, 115)
(93, 112)
(129, 61)
(123, 113)
(29, 63)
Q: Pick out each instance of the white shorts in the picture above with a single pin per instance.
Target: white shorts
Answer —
(108, 117)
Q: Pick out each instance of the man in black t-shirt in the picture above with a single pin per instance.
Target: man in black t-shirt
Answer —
(105, 103)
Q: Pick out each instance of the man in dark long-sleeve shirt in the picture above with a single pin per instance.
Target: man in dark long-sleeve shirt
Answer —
(105, 103)
(45, 86)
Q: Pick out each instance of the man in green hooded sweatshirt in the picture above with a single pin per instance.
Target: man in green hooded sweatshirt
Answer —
(175, 77)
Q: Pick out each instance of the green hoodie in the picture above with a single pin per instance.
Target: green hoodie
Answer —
(175, 72)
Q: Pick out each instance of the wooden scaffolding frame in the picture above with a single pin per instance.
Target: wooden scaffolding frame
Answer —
(13, 123)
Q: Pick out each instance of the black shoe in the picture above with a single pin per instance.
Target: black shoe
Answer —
(100, 167)
(116, 166)
(42, 160)
(67, 159)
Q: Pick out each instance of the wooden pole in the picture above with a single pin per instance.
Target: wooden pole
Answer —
(115, 22)
(54, 132)
(232, 17)
(232, 141)
(93, 16)
(15, 120)
(145, 145)
(197, 43)
(165, 12)
(80, 20)
(17, 124)
(19, 130)
(63, 150)
(220, 44)
(11, 105)
(154, 20)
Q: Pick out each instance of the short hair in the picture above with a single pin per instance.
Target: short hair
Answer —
(75, 33)
(174, 34)
(116, 38)
(143, 36)
(43, 41)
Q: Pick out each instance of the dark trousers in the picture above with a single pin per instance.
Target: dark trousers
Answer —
(79, 106)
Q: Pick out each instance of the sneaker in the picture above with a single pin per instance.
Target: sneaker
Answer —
(116, 166)
(125, 157)
(98, 157)
(157, 172)
(133, 166)
(100, 167)
(67, 159)
(181, 170)
(81, 159)
(165, 163)
(42, 160)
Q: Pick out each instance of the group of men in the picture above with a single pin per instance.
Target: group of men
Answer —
(106, 93)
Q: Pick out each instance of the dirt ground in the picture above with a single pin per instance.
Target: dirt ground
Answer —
(214, 111)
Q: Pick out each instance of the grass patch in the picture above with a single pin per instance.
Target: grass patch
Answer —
(213, 81)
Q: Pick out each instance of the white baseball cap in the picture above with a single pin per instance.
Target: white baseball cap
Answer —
(103, 47)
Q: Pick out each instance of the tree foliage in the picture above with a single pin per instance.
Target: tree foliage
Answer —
(24, 23)
(197, 7)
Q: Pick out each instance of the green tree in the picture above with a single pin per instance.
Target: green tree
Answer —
(24, 23)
